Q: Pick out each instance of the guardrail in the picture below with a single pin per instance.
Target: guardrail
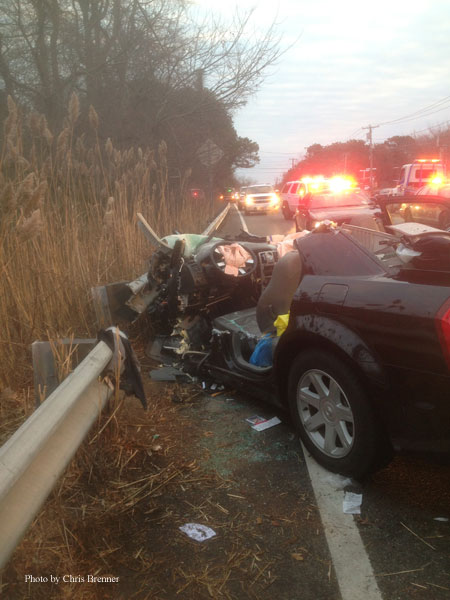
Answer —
(217, 221)
(35, 456)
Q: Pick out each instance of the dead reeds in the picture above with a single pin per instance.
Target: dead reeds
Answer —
(68, 206)
(68, 222)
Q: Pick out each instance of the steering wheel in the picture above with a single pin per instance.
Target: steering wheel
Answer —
(246, 261)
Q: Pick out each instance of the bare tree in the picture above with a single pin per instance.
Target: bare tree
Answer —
(148, 67)
(49, 48)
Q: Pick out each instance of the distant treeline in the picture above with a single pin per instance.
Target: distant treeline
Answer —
(353, 156)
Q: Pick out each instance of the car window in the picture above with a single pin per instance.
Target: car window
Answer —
(286, 188)
(434, 214)
(424, 173)
(293, 188)
(340, 256)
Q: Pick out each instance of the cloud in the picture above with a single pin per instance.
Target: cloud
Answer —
(356, 62)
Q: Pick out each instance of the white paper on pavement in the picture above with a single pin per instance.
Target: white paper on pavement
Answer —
(198, 532)
(352, 503)
(259, 423)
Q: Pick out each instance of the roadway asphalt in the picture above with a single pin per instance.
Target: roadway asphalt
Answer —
(402, 538)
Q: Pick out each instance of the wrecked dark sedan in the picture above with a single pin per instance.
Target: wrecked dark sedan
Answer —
(363, 363)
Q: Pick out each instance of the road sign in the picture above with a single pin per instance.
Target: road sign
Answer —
(209, 153)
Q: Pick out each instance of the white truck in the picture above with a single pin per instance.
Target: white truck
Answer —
(422, 171)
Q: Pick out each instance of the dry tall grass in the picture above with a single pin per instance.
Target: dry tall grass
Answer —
(68, 222)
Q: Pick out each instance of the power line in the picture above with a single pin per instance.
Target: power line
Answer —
(422, 112)
(355, 132)
(437, 125)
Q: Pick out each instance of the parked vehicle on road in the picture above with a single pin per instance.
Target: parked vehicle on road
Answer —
(422, 171)
(433, 211)
(293, 193)
(441, 190)
(345, 207)
(364, 363)
(229, 195)
(241, 199)
(260, 198)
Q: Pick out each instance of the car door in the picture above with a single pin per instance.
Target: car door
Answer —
(292, 196)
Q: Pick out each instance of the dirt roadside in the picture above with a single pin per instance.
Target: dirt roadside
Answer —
(191, 458)
(251, 488)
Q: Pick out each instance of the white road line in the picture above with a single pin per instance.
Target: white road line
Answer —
(243, 223)
(354, 572)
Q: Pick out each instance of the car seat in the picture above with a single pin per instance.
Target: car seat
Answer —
(277, 297)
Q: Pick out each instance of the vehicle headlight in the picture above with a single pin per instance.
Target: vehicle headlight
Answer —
(249, 200)
(274, 200)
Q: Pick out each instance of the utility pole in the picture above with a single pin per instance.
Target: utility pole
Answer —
(369, 138)
(292, 162)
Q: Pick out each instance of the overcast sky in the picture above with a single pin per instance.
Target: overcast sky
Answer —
(356, 62)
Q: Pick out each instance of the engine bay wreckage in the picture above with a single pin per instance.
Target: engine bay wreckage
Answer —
(346, 328)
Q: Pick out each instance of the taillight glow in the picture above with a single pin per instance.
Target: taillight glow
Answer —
(442, 321)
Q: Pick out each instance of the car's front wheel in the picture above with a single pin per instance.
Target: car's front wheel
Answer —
(334, 415)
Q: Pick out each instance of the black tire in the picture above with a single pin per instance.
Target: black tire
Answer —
(345, 435)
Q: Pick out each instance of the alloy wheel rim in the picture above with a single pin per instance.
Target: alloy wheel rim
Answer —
(325, 413)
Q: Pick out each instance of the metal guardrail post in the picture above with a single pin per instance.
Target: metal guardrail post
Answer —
(35, 456)
(217, 221)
